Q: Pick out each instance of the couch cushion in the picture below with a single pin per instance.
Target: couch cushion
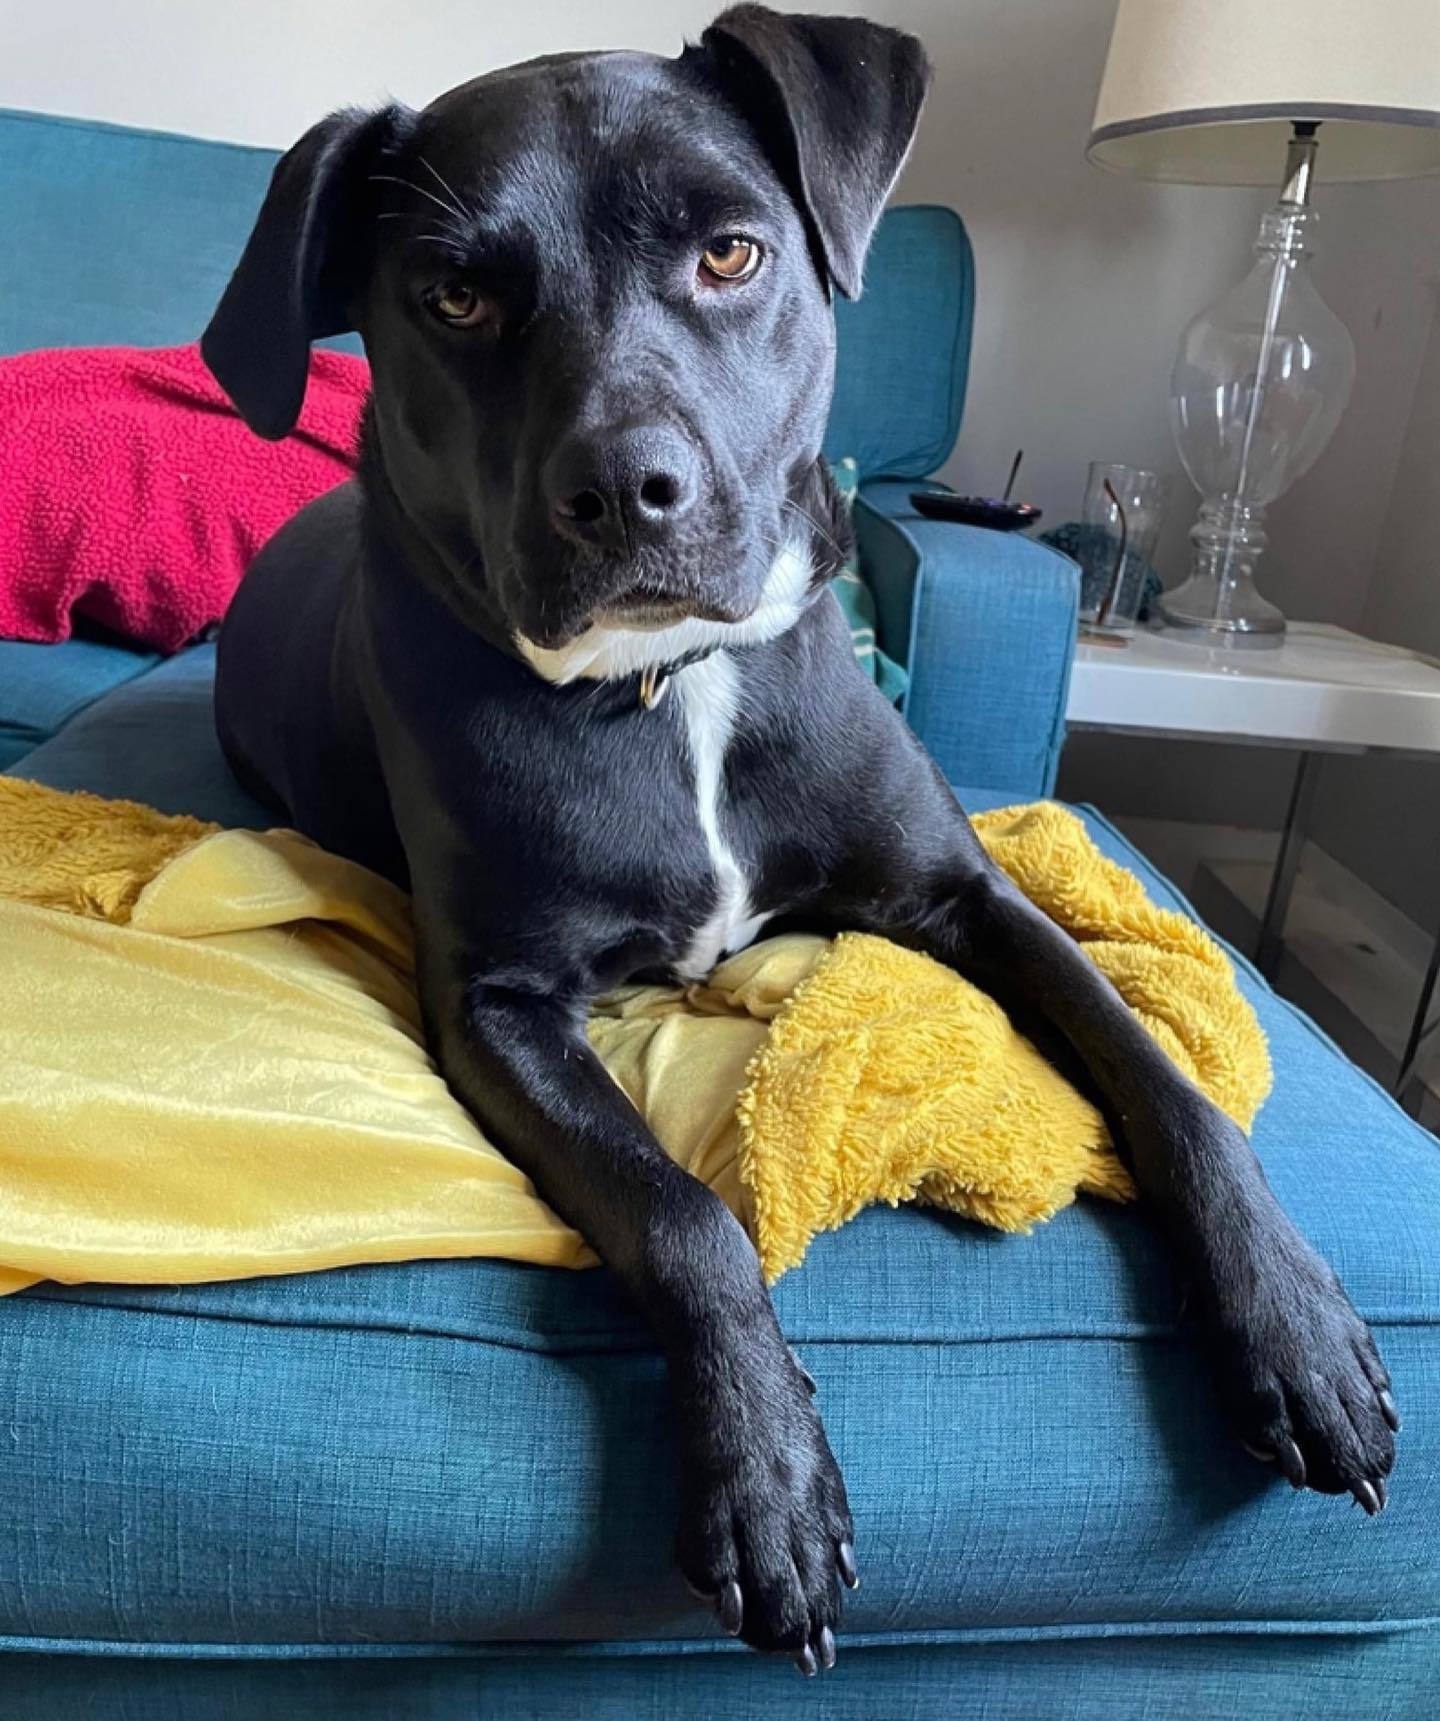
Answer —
(168, 214)
(154, 743)
(438, 1452)
(43, 686)
(903, 347)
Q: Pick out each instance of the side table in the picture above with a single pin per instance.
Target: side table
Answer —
(1324, 690)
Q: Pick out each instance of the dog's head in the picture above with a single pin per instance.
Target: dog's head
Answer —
(595, 294)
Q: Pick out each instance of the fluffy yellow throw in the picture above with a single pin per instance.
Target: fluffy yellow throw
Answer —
(214, 1066)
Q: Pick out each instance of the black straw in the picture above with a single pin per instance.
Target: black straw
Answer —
(1014, 468)
(1102, 615)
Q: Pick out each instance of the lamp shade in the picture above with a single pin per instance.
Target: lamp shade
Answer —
(1205, 91)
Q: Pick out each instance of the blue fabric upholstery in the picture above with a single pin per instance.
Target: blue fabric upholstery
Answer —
(152, 741)
(43, 686)
(407, 1460)
(168, 215)
(985, 623)
(903, 347)
(1195, 1678)
(115, 236)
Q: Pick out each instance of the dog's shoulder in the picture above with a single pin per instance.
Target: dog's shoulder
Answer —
(809, 680)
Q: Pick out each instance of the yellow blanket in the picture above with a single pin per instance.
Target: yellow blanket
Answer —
(213, 1064)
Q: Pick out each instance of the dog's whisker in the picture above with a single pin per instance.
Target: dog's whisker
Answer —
(410, 185)
(455, 241)
(457, 202)
(812, 521)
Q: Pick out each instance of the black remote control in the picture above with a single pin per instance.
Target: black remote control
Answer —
(975, 510)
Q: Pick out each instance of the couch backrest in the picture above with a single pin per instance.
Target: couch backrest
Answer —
(114, 236)
(904, 346)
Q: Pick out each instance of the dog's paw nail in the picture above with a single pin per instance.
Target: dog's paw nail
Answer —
(1292, 1462)
(1258, 1452)
(807, 1663)
(845, 1565)
(1367, 1497)
(731, 1608)
(1389, 1412)
(826, 1643)
(1383, 1491)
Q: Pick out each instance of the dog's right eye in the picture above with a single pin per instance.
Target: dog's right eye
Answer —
(459, 304)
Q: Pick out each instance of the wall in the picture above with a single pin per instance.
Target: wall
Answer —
(1085, 280)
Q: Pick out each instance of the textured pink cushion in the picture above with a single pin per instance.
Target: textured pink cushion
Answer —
(132, 494)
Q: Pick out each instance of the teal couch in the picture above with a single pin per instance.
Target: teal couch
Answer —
(445, 1489)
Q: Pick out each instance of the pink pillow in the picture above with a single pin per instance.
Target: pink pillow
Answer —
(132, 494)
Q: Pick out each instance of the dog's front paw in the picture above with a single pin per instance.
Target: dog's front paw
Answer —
(765, 1528)
(1300, 1373)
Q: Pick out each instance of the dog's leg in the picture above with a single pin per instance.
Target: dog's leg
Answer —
(1298, 1368)
(764, 1522)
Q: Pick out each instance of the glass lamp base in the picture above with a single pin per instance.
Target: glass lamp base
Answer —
(1256, 392)
(1230, 609)
(1219, 603)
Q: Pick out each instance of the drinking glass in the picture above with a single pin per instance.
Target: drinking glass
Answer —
(1124, 507)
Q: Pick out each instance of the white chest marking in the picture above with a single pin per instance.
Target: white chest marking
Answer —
(707, 695)
(608, 652)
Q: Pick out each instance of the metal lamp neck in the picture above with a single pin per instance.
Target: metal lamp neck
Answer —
(1300, 164)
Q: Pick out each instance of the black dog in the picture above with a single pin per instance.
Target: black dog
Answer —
(563, 661)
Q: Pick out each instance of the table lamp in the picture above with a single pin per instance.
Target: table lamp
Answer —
(1248, 92)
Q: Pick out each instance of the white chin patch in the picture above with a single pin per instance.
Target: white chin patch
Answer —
(610, 653)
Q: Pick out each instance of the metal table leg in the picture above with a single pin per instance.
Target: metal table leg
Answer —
(1287, 865)
(1417, 1025)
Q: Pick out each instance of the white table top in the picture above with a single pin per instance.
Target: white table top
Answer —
(1324, 689)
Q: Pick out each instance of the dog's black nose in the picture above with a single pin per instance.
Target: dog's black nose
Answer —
(622, 486)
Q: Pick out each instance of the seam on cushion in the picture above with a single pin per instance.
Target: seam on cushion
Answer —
(15, 729)
(608, 1343)
(1062, 703)
(609, 1648)
(1243, 962)
(1057, 720)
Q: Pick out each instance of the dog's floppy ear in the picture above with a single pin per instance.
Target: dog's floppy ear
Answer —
(835, 102)
(300, 268)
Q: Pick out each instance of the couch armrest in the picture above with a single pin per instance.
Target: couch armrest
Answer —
(985, 623)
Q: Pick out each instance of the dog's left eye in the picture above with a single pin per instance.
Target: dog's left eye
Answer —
(728, 258)
(459, 304)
